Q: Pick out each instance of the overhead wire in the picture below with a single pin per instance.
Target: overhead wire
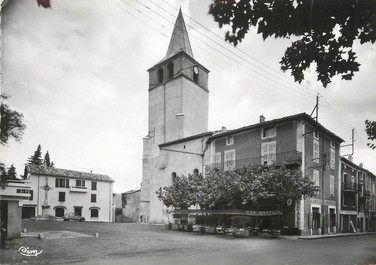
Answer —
(229, 57)
(307, 93)
(226, 56)
(237, 48)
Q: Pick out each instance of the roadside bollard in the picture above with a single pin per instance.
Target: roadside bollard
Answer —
(96, 235)
(40, 236)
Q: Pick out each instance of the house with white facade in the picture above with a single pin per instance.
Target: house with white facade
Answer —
(58, 191)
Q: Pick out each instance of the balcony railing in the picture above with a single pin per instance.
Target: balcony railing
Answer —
(286, 158)
(78, 188)
(351, 187)
(365, 194)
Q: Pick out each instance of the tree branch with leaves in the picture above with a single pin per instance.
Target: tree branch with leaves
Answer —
(11, 123)
(325, 30)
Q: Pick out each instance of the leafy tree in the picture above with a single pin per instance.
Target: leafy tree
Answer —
(11, 173)
(371, 133)
(236, 188)
(44, 3)
(178, 194)
(325, 31)
(11, 125)
(36, 159)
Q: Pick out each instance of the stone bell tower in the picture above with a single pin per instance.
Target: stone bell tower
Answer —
(178, 108)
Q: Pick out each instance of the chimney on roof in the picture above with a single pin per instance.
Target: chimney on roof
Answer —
(350, 158)
(361, 165)
(262, 118)
(223, 128)
(91, 171)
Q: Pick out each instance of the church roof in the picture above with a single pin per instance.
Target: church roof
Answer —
(179, 40)
(58, 172)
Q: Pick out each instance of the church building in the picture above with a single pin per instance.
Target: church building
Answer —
(178, 143)
(178, 108)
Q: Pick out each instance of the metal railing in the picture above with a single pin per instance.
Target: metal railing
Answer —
(79, 187)
(351, 186)
(365, 193)
(286, 158)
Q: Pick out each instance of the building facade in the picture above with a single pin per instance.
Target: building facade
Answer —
(296, 141)
(357, 200)
(12, 195)
(87, 194)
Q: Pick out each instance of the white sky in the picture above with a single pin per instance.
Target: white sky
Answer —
(78, 73)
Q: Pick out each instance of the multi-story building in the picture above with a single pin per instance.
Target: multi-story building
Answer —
(178, 143)
(296, 141)
(12, 195)
(58, 191)
(357, 201)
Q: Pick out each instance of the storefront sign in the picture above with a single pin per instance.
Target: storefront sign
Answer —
(326, 202)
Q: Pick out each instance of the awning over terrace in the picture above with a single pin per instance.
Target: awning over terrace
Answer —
(228, 212)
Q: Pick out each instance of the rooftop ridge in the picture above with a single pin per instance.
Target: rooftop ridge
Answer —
(52, 171)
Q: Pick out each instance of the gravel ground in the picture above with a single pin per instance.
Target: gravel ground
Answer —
(115, 240)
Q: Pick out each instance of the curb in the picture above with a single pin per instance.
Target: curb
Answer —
(335, 235)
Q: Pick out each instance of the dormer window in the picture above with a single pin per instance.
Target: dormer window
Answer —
(269, 132)
(230, 140)
(170, 69)
(160, 75)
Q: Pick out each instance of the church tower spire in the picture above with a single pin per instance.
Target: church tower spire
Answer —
(179, 39)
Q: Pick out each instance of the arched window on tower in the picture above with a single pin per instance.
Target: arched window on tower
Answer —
(160, 75)
(170, 69)
(195, 74)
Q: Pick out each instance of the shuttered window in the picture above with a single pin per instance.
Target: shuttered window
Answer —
(331, 185)
(316, 151)
(268, 153)
(230, 159)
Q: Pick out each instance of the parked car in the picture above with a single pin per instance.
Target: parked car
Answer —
(73, 217)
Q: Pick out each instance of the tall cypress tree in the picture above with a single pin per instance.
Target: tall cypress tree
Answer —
(36, 159)
(47, 161)
(11, 173)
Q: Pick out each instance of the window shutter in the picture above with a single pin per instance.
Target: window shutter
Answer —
(335, 219)
(67, 183)
(310, 220)
(56, 183)
(320, 220)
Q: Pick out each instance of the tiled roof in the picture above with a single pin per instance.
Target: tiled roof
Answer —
(58, 172)
(358, 167)
(131, 192)
(181, 140)
(301, 116)
(219, 134)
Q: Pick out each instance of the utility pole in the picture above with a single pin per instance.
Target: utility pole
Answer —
(316, 108)
(352, 143)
